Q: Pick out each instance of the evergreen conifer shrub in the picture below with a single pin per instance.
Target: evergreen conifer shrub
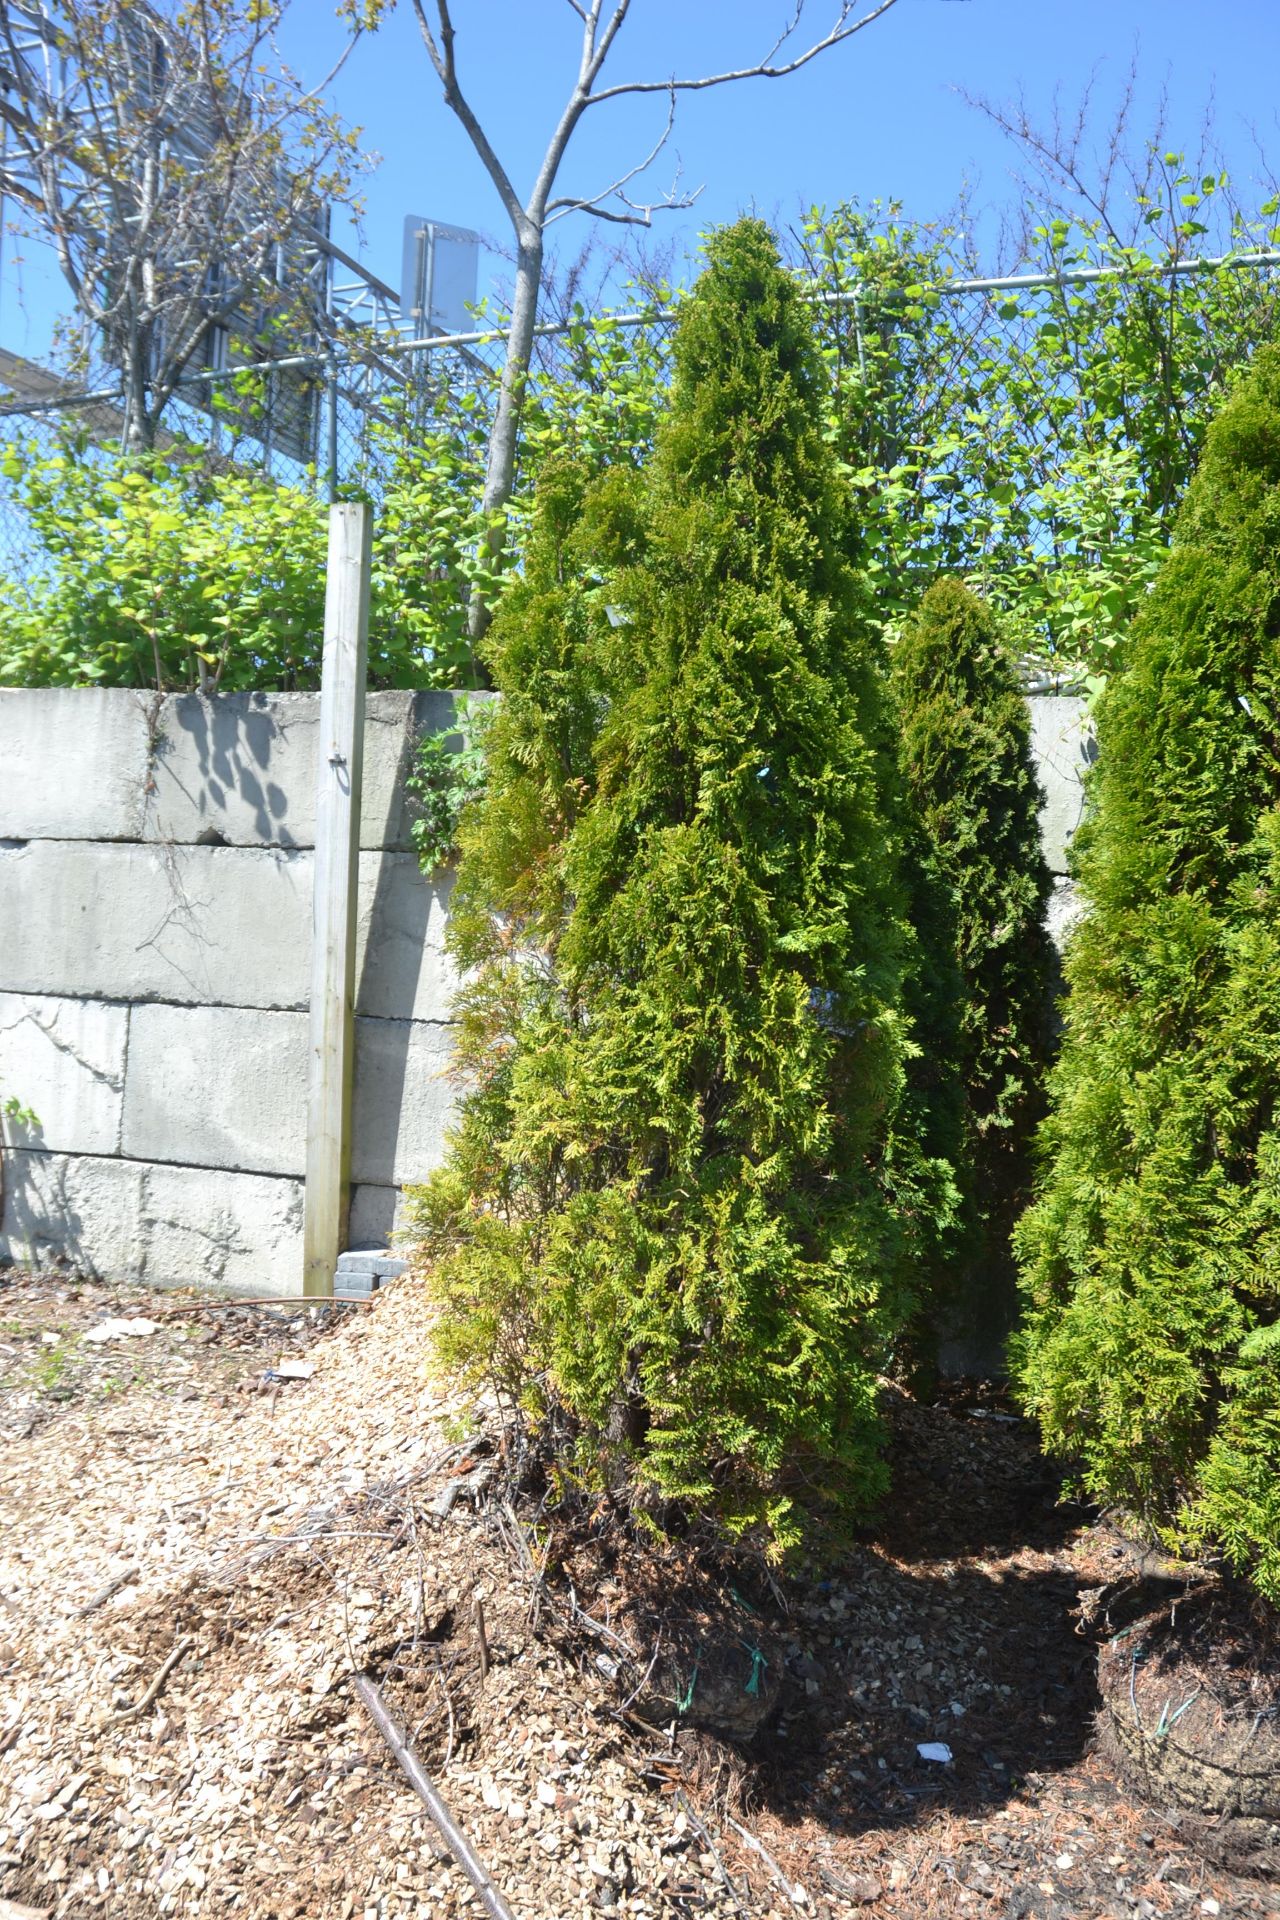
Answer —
(675, 1213)
(1152, 1255)
(980, 899)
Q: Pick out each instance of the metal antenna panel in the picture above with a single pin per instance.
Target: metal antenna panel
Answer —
(438, 277)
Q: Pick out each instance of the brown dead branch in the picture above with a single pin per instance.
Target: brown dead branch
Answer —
(154, 1691)
(100, 1598)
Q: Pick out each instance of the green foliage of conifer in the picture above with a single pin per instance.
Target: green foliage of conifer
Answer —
(1152, 1255)
(986, 1009)
(673, 1210)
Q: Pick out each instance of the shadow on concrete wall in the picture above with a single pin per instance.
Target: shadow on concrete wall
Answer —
(38, 1214)
(233, 738)
(401, 915)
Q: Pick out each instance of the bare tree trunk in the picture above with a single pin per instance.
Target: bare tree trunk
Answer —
(139, 434)
(500, 470)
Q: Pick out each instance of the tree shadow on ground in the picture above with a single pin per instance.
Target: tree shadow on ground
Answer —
(952, 1626)
(999, 1680)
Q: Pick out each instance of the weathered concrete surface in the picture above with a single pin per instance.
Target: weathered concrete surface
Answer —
(192, 924)
(239, 1232)
(1064, 910)
(226, 1087)
(65, 1060)
(377, 1214)
(403, 1101)
(243, 766)
(1064, 747)
(218, 1087)
(169, 1226)
(75, 763)
(73, 1210)
(221, 926)
(402, 969)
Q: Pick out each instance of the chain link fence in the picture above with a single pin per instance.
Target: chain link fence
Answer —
(909, 362)
(328, 429)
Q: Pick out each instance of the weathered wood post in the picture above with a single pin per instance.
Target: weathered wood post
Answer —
(333, 915)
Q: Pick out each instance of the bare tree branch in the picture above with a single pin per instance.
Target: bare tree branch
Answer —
(602, 21)
(641, 212)
(843, 30)
(442, 60)
(638, 215)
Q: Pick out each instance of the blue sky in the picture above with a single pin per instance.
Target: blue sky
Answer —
(883, 115)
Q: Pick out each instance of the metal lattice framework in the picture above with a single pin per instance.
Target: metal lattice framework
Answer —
(283, 279)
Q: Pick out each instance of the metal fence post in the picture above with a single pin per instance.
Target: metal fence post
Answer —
(333, 920)
(331, 430)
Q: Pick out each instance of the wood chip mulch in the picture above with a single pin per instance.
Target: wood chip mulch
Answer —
(207, 1527)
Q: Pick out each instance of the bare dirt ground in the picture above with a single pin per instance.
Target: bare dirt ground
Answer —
(206, 1528)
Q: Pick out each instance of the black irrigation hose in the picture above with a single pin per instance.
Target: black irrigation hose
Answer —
(420, 1781)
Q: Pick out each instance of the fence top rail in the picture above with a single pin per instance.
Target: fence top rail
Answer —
(851, 296)
(330, 361)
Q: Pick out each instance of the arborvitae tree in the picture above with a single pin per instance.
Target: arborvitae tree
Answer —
(673, 1212)
(1152, 1256)
(965, 747)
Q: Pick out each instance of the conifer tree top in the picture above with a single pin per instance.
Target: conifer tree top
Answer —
(1239, 474)
(1185, 762)
(746, 396)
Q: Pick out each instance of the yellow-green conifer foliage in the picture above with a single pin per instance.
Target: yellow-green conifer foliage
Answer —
(673, 1211)
(965, 749)
(1152, 1255)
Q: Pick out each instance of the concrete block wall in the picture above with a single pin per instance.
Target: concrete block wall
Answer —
(155, 930)
(1064, 747)
(155, 899)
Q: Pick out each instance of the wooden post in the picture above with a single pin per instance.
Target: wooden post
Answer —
(333, 913)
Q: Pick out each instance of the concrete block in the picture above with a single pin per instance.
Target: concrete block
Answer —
(237, 1232)
(371, 1260)
(219, 1087)
(1064, 747)
(403, 1102)
(1064, 911)
(190, 924)
(75, 763)
(73, 1210)
(237, 769)
(240, 768)
(393, 725)
(364, 1270)
(355, 1286)
(402, 969)
(226, 1087)
(168, 1226)
(376, 1214)
(229, 926)
(65, 1060)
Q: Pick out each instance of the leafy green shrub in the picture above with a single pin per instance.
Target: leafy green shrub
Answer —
(1152, 1255)
(965, 750)
(151, 572)
(155, 570)
(448, 772)
(675, 1212)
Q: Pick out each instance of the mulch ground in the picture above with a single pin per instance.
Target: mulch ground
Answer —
(206, 1528)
